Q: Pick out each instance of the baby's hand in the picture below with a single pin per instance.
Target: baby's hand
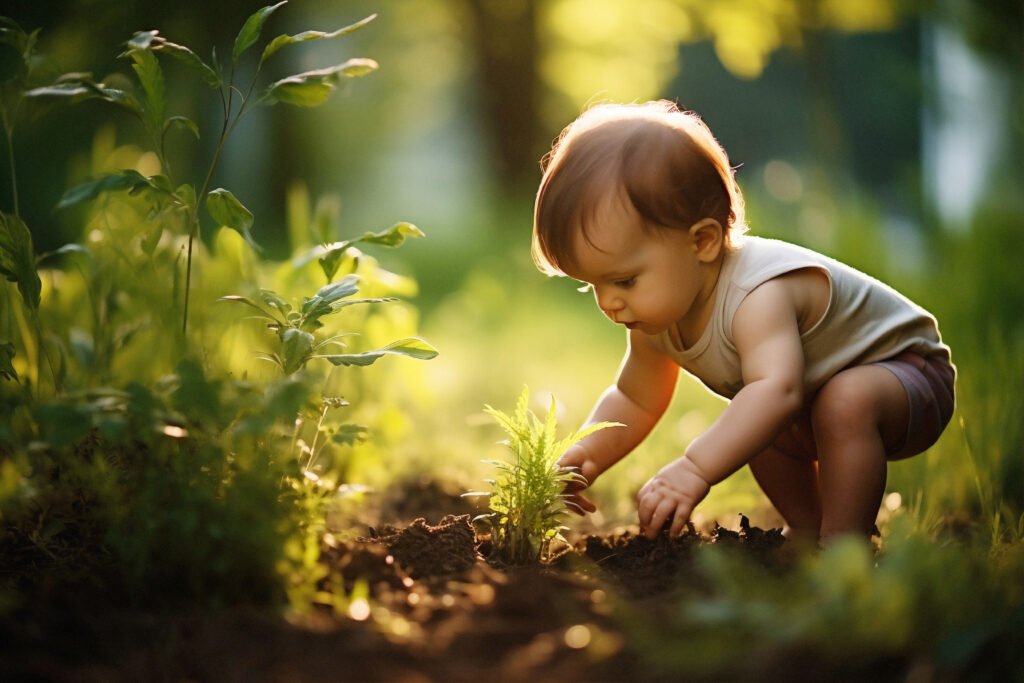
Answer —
(575, 458)
(672, 493)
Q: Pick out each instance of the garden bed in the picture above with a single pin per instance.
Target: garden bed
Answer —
(410, 602)
(415, 599)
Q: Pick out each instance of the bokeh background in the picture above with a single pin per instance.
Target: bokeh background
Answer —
(886, 133)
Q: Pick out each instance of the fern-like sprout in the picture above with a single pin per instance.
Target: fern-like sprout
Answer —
(528, 495)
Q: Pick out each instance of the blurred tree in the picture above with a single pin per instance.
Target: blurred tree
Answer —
(506, 43)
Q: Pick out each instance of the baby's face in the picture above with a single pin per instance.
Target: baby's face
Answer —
(646, 280)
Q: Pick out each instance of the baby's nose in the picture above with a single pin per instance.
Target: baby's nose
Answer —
(610, 305)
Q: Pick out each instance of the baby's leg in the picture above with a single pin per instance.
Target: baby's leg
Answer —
(787, 473)
(857, 416)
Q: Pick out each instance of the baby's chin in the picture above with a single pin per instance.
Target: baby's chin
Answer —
(646, 328)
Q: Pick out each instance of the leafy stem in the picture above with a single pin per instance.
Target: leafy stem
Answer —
(226, 129)
(9, 132)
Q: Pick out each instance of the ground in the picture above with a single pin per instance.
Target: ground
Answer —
(439, 608)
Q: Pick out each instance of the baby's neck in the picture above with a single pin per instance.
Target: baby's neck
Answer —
(691, 327)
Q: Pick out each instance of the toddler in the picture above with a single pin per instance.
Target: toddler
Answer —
(830, 374)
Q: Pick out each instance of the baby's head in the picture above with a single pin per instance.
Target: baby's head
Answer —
(661, 161)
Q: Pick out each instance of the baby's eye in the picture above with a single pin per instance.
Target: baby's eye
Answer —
(626, 283)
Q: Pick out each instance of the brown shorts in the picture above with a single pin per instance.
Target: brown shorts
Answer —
(930, 395)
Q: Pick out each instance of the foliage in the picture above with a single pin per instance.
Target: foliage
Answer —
(295, 327)
(953, 607)
(160, 476)
(528, 493)
(158, 493)
(167, 194)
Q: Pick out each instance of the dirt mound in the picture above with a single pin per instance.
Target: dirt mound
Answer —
(645, 567)
(449, 547)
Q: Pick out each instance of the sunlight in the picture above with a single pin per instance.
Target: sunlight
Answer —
(175, 432)
(577, 637)
(600, 50)
(863, 15)
(359, 609)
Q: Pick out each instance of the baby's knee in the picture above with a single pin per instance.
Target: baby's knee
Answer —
(845, 404)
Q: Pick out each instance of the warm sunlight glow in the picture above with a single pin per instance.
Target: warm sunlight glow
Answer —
(175, 432)
(863, 15)
(577, 637)
(359, 610)
(609, 50)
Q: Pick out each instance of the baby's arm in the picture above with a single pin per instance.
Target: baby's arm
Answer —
(638, 399)
(767, 336)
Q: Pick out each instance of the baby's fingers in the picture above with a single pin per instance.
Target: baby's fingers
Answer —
(580, 504)
(679, 519)
(662, 513)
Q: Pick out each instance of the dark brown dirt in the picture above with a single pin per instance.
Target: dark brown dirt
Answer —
(423, 550)
(438, 610)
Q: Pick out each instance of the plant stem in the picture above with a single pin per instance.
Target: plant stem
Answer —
(194, 231)
(312, 449)
(57, 387)
(9, 131)
(225, 131)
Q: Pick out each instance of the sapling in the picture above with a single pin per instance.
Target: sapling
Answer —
(528, 495)
(295, 328)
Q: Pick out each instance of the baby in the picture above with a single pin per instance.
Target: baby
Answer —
(830, 374)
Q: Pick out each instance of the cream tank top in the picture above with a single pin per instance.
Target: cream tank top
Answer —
(866, 320)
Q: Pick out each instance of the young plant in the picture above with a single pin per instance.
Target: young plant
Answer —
(167, 193)
(18, 260)
(528, 494)
(295, 328)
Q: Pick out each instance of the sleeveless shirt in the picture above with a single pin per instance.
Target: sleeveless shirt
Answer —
(866, 321)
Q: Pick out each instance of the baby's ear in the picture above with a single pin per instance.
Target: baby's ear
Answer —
(707, 238)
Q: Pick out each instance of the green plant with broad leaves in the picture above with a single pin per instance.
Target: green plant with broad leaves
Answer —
(18, 262)
(166, 192)
(181, 479)
(295, 326)
(527, 497)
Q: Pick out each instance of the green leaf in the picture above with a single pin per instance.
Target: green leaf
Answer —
(7, 354)
(394, 236)
(251, 30)
(411, 347)
(17, 259)
(296, 347)
(186, 196)
(276, 301)
(248, 302)
(128, 179)
(285, 39)
(325, 301)
(142, 40)
(330, 262)
(79, 87)
(312, 88)
(151, 76)
(44, 260)
(191, 60)
(225, 208)
(181, 122)
(350, 434)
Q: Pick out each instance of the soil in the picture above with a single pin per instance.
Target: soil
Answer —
(438, 610)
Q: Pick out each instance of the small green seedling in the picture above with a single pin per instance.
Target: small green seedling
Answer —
(528, 495)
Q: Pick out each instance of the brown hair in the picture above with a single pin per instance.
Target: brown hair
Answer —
(663, 160)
